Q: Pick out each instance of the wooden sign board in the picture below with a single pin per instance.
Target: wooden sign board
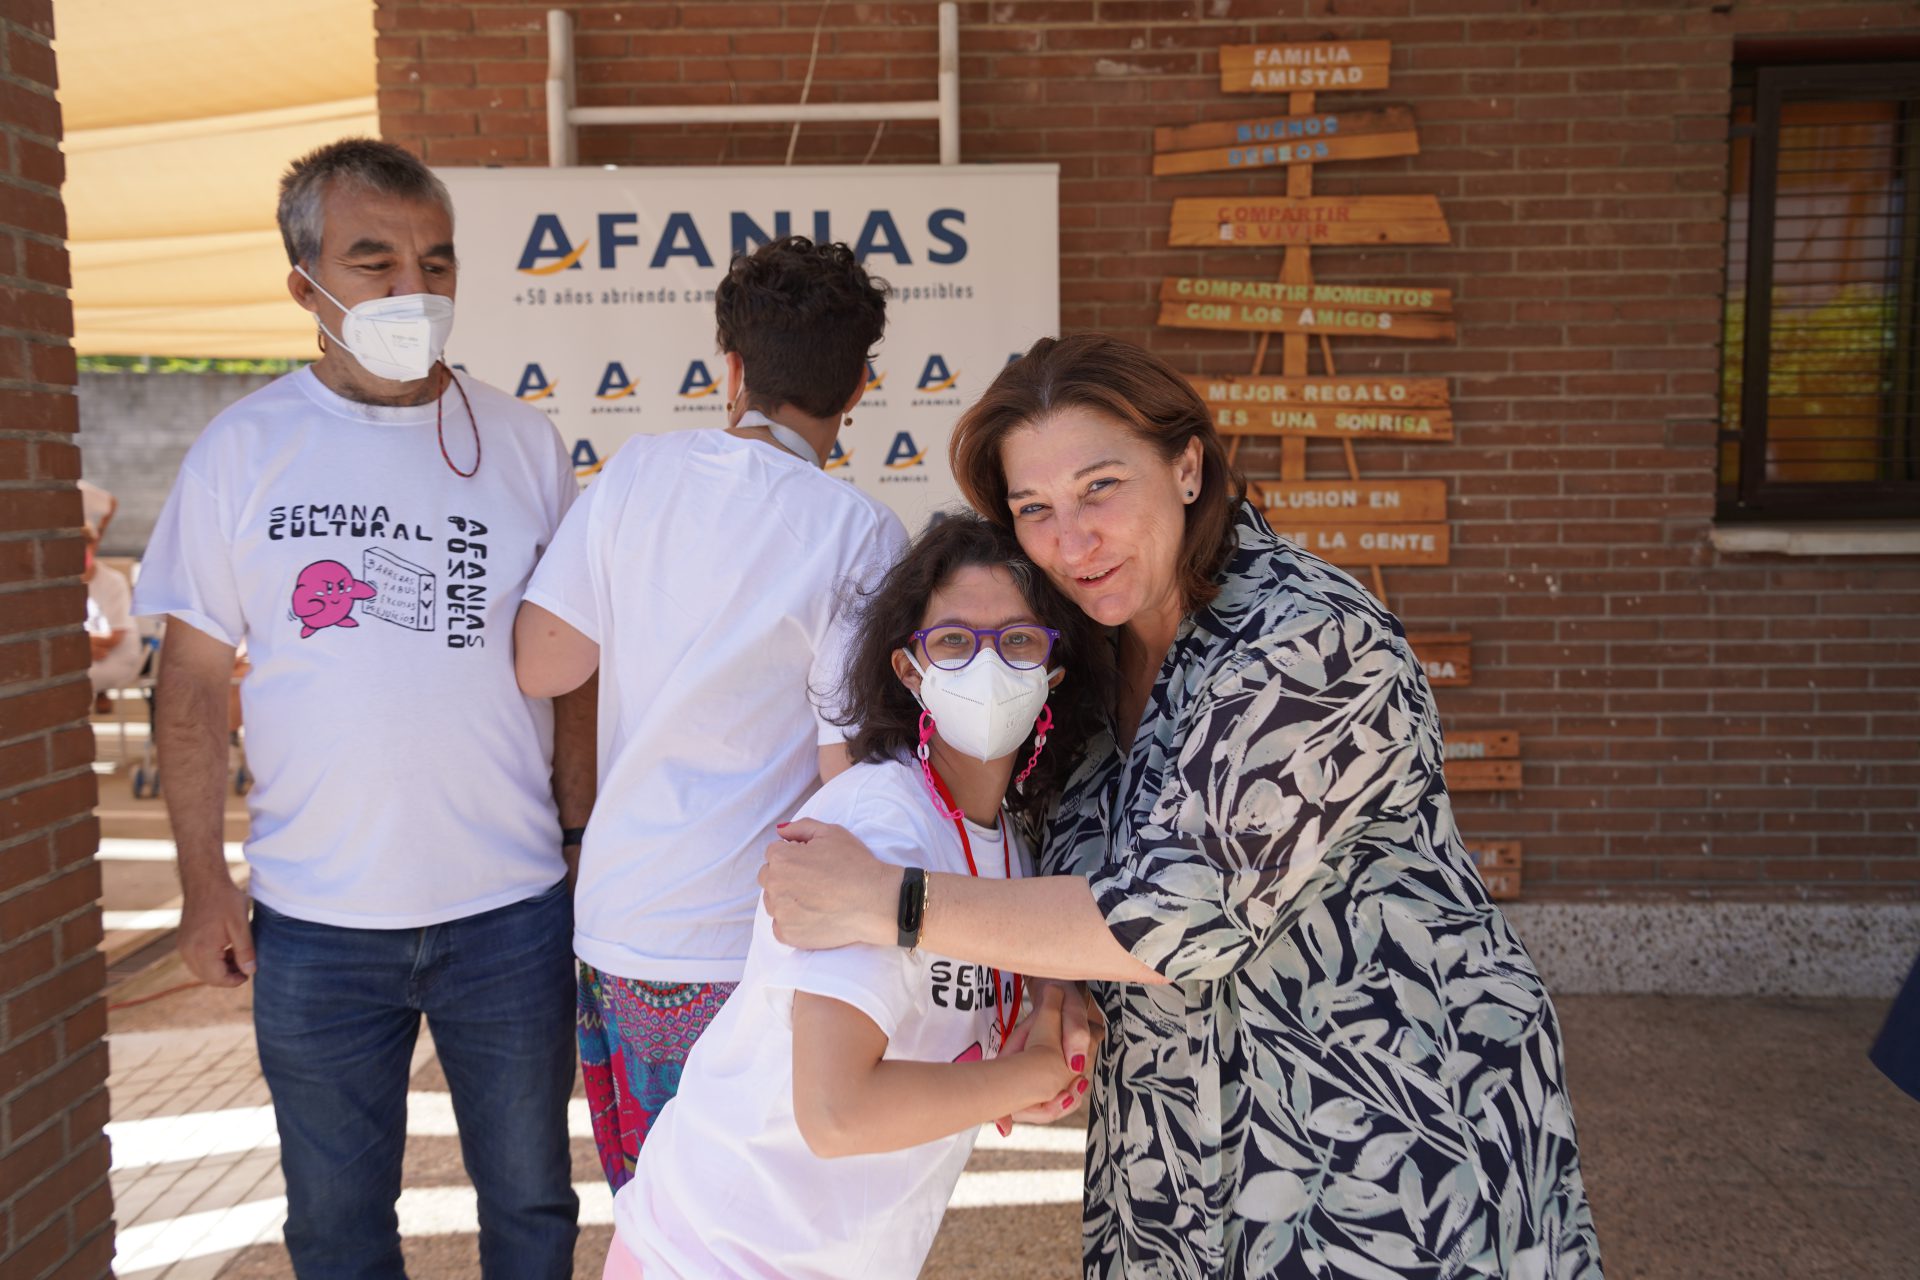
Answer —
(1380, 391)
(1373, 297)
(1383, 311)
(1419, 425)
(1357, 544)
(1447, 657)
(1387, 501)
(1272, 141)
(1483, 775)
(1483, 760)
(1304, 68)
(1250, 223)
(1409, 409)
(1483, 744)
(1499, 864)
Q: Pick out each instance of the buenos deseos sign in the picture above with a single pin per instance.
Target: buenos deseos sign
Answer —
(589, 293)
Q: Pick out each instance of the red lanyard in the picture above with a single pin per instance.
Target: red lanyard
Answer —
(440, 427)
(1007, 1009)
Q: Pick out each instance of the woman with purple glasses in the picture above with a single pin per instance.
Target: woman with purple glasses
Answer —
(823, 1119)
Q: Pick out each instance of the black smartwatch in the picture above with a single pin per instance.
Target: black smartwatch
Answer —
(572, 835)
(913, 906)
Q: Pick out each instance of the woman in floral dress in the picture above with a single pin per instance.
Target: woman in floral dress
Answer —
(1326, 1052)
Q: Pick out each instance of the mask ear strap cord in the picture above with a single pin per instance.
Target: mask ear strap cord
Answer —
(440, 426)
(1042, 727)
(926, 769)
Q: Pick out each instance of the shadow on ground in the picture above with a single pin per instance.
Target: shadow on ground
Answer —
(1721, 1139)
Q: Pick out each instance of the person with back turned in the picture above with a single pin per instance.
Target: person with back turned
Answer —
(702, 574)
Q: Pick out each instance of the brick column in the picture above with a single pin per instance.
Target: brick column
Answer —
(55, 1203)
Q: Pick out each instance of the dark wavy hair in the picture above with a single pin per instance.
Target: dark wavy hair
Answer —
(1138, 392)
(805, 319)
(883, 714)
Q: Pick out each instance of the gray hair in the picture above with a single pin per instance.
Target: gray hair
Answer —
(380, 167)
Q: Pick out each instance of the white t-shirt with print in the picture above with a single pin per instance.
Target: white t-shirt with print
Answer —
(725, 1185)
(400, 777)
(710, 570)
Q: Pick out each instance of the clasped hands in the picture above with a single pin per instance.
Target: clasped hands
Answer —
(1063, 1027)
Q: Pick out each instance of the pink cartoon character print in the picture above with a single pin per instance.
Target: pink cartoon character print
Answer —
(323, 596)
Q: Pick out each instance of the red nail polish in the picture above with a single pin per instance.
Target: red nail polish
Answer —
(1065, 1103)
(781, 826)
(1079, 1062)
(1082, 1086)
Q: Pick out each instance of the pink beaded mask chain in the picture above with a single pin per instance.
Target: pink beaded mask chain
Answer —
(1041, 727)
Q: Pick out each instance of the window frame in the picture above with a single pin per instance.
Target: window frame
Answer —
(1753, 496)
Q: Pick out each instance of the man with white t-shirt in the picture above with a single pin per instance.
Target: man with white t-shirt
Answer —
(367, 526)
(705, 575)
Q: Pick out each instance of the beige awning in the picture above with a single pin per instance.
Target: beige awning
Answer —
(180, 117)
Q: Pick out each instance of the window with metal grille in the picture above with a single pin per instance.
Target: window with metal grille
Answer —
(1820, 394)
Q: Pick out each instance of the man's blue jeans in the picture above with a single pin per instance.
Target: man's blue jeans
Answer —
(336, 1013)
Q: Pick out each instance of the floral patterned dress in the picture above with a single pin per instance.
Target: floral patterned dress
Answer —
(1355, 1070)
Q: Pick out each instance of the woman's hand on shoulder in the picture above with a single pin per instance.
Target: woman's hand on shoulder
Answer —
(824, 889)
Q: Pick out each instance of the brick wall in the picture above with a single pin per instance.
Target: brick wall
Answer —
(55, 1206)
(1696, 724)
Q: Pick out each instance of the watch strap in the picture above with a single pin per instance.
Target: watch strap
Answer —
(913, 906)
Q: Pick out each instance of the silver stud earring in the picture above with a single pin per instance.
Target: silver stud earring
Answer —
(1189, 495)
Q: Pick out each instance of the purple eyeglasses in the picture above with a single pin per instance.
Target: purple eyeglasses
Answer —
(952, 647)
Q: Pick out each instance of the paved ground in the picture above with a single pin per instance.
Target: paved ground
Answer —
(1721, 1138)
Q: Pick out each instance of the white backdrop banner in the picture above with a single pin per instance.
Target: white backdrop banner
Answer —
(589, 292)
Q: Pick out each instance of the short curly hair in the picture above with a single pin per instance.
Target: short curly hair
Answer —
(804, 319)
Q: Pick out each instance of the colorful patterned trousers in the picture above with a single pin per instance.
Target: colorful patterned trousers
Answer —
(634, 1038)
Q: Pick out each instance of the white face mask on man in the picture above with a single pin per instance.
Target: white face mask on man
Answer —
(400, 337)
(986, 709)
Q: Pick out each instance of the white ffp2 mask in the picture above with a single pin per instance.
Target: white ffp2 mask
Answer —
(986, 709)
(400, 338)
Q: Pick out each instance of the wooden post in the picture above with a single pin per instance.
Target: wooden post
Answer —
(1295, 268)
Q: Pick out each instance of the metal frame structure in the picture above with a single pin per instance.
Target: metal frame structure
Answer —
(564, 118)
